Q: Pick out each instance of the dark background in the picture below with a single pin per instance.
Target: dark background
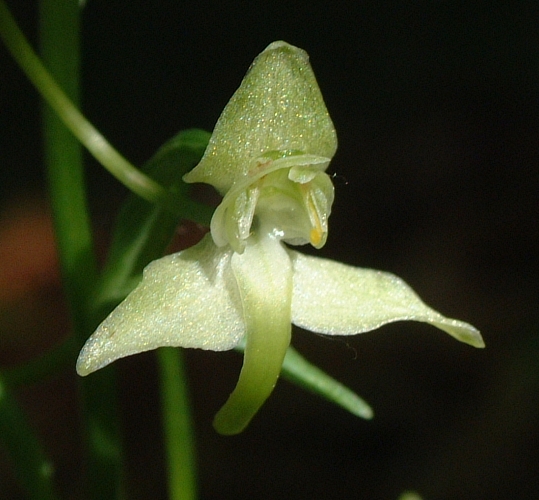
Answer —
(436, 106)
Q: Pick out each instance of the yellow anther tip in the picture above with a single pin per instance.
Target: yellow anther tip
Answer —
(316, 236)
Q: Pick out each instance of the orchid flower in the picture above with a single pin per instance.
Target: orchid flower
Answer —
(242, 284)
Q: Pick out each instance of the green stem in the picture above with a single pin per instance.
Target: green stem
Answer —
(72, 118)
(104, 468)
(177, 424)
(63, 158)
(33, 469)
(59, 26)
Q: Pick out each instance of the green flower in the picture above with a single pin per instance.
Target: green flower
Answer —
(241, 284)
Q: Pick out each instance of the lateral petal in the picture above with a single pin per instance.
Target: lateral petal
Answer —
(337, 299)
(188, 299)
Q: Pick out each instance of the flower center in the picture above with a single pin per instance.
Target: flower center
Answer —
(285, 193)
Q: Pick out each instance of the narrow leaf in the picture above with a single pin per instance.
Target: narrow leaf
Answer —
(33, 469)
(297, 370)
(143, 230)
(301, 372)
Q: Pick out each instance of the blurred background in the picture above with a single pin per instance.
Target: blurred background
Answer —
(436, 105)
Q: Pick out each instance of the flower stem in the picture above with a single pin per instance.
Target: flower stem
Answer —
(59, 37)
(63, 105)
(63, 160)
(177, 424)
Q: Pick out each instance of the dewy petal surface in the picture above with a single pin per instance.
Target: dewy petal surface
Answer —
(337, 299)
(189, 299)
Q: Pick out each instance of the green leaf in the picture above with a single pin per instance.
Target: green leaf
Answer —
(143, 230)
(34, 470)
(141, 234)
(297, 370)
(301, 372)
